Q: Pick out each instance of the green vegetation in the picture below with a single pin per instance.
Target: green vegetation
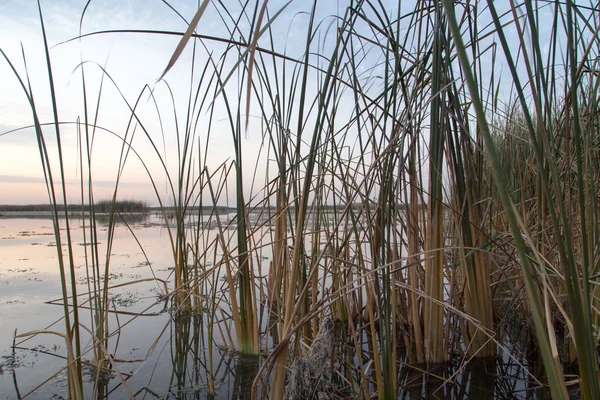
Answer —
(412, 188)
(104, 206)
(120, 206)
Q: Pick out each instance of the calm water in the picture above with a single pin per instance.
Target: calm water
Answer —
(163, 354)
(30, 282)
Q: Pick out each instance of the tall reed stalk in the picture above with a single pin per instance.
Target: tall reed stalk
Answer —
(57, 195)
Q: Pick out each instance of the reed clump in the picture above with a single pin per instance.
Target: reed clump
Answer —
(121, 206)
(405, 195)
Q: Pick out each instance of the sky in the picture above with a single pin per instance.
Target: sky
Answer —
(131, 60)
(126, 64)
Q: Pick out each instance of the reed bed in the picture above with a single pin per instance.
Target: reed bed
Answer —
(425, 167)
(103, 206)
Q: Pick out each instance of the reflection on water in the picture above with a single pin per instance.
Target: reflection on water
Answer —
(102, 218)
(184, 355)
(478, 379)
(203, 370)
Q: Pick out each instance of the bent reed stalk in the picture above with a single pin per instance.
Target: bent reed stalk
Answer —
(405, 193)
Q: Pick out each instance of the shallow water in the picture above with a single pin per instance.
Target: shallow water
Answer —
(30, 284)
(162, 354)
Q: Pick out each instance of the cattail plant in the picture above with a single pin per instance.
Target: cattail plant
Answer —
(403, 198)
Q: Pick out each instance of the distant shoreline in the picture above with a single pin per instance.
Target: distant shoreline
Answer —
(103, 206)
(133, 207)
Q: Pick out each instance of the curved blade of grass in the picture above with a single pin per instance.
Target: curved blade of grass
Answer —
(553, 371)
(185, 38)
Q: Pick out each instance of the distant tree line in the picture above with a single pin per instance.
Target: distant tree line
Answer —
(103, 206)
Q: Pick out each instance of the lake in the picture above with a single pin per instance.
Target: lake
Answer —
(164, 354)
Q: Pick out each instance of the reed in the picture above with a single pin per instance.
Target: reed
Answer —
(57, 195)
(404, 194)
(542, 139)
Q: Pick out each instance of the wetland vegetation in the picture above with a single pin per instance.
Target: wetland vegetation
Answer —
(416, 213)
(103, 206)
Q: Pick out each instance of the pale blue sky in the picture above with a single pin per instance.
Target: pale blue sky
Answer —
(132, 60)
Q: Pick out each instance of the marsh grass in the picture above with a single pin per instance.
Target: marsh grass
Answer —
(404, 197)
